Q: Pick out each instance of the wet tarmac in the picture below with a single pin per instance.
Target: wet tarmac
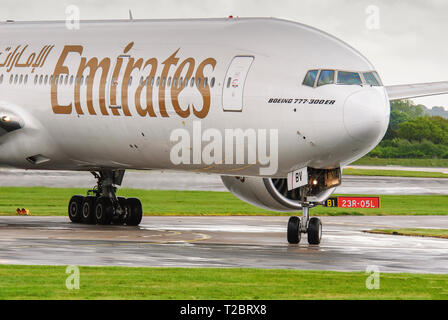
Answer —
(199, 181)
(258, 242)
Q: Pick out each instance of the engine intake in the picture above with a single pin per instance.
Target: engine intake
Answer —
(273, 193)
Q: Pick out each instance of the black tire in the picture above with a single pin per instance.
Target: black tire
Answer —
(88, 210)
(314, 231)
(75, 208)
(294, 230)
(118, 220)
(135, 212)
(104, 210)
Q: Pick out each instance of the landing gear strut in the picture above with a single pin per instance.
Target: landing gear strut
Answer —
(296, 226)
(102, 206)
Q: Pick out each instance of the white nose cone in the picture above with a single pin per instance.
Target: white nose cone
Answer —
(366, 115)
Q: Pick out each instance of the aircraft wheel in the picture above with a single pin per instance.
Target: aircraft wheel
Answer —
(293, 233)
(88, 210)
(121, 219)
(314, 231)
(75, 208)
(104, 210)
(134, 212)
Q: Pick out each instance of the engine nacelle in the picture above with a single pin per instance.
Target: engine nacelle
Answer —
(273, 193)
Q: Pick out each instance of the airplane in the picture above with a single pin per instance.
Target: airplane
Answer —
(275, 107)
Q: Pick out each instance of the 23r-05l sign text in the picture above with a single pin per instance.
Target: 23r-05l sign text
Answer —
(353, 202)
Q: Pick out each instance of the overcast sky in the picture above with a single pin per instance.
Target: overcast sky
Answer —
(407, 44)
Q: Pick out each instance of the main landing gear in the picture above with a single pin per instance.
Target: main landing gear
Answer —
(102, 206)
(313, 227)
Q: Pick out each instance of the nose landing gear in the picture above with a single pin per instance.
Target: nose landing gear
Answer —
(312, 227)
(103, 206)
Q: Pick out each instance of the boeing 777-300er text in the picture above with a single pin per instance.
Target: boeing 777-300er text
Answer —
(275, 107)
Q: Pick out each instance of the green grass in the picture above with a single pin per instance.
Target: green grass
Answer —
(396, 205)
(367, 161)
(434, 233)
(54, 201)
(48, 282)
(393, 173)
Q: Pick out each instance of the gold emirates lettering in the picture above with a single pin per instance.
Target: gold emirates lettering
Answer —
(102, 68)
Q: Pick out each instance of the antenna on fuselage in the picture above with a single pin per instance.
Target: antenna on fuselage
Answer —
(130, 15)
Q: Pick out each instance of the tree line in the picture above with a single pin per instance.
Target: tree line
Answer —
(413, 133)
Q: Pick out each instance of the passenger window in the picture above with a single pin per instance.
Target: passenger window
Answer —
(370, 79)
(310, 78)
(349, 78)
(325, 77)
(212, 82)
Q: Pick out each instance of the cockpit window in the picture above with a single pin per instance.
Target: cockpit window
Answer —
(326, 77)
(380, 83)
(370, 79)
(349, 78)
(321, 77)
(310, 78)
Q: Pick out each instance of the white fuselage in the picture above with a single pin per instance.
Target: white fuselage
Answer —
(111, 121)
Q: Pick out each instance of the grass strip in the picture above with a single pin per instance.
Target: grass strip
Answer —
(433, 233)
(367, 161)
(54, 201)
(49, 282)
(393, 173)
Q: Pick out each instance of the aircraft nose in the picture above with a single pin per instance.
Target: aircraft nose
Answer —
(366, 115)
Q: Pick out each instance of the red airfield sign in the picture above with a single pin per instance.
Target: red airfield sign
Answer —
(353, 202)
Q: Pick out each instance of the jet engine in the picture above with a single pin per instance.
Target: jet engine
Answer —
(273, 193)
